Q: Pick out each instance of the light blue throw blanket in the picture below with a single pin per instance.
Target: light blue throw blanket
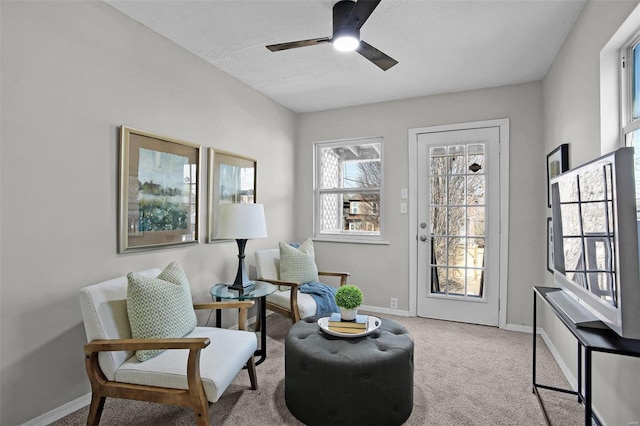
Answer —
(324, 295)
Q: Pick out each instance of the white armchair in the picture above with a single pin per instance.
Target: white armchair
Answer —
(191, 373)
(287, 300)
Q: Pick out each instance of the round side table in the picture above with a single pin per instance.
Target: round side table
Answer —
(259, 292)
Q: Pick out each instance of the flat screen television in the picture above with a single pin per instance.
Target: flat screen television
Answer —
(595, 214)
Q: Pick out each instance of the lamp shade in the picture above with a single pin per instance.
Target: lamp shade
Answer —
(242, 221)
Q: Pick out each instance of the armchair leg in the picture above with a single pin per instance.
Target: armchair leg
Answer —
(201, 414)
(95, 410)
(251, 369)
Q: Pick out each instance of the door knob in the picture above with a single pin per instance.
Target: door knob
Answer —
(423, 237)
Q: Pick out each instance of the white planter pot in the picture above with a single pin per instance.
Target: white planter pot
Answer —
(348, 314)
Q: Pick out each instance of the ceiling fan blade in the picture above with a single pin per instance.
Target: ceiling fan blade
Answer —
(300, 43)
(361, 12)
(383, 61)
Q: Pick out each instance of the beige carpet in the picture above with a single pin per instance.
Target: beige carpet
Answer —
(464, 375)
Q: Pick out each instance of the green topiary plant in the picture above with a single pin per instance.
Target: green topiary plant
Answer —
(349, 297)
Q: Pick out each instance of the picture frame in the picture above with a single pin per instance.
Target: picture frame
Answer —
(159, 191)
(549, 245)
(232, 179)
(557, 163)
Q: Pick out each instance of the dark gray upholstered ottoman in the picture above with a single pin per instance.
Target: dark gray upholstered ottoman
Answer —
(349, 381)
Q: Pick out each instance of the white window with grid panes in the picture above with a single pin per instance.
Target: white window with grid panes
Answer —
(348, 190)
(630, 93)
(630, 103)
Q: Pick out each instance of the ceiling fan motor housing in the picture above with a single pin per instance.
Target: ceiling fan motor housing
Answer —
(341, 13)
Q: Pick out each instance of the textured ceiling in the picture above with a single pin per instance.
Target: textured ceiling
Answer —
(442, 46)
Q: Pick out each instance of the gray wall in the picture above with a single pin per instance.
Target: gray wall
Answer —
(383, 270)
(72, 72)
(571, 97)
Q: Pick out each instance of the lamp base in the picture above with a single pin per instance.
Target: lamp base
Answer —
(243, 288)
(242, 283)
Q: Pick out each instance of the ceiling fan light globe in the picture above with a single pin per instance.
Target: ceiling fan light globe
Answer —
(346, 43)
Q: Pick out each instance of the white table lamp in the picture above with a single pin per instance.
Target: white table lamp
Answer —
(242, 222)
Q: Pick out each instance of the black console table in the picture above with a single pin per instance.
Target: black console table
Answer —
(589, 340)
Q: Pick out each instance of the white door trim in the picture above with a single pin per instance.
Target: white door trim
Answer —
(503, 124)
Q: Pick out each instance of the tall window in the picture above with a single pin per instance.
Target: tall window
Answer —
(630, 105)
(348, 189)
(631, 94)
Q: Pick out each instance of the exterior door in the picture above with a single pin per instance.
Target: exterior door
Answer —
(459, 225)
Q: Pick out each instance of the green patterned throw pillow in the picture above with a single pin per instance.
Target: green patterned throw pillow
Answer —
(298, 265)
(159, 307)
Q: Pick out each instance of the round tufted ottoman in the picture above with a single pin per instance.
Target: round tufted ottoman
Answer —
(349, 381)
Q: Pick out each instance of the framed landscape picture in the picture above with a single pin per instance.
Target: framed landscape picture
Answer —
(159, 191)
(231, 180)
(557, 163)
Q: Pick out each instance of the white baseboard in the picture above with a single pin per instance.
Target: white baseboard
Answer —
(573, 382)
(60, 412)
(379, 310)
(518, 327)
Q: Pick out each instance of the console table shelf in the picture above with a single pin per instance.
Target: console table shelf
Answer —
(589, 340)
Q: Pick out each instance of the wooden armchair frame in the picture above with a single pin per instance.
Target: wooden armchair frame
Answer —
(294, 312)
(193, 397)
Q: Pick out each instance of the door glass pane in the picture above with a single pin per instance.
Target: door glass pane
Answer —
(457, 159)
(475, 278)
(475, 189)
(438, 191)
(456, 221)
(439, 251)
(475, 161)
(475, 252)
(438, 220)
(475, 221)
(455, 253)
(439, 280)
(438, 160)
(457, 190)
(456, 281)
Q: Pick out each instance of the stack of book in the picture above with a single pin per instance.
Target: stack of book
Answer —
(358, 325)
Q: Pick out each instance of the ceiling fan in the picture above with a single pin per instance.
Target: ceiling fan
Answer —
(348, 18)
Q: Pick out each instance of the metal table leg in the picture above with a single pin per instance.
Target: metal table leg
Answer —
(262, 350)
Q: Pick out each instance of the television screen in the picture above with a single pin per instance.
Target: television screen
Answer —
(586, 252)
(595, 243)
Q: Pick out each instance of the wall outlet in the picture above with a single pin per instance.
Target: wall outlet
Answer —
(394, 303)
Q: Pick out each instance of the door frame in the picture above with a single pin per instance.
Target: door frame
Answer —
(503, 125)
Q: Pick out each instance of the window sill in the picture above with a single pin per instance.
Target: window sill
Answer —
(350, 241)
